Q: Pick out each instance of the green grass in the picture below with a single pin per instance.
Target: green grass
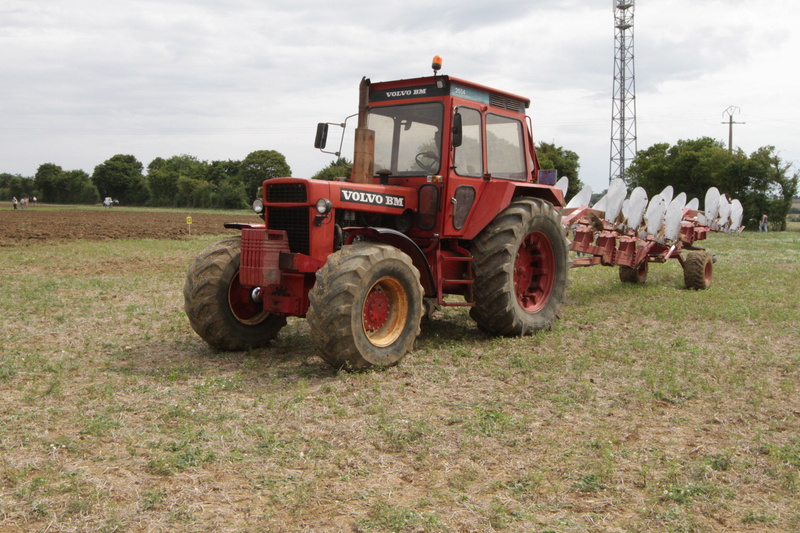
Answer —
(85, 207)
(645, 408)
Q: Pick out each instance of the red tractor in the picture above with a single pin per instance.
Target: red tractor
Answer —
(444, 207)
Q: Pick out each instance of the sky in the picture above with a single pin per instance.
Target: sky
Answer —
(84, 80)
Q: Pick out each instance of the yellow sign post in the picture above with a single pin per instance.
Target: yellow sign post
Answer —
(189, 224)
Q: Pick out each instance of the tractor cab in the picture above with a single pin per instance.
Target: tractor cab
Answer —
(453, 142)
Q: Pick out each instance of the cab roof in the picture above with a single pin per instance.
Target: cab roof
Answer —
(444, 85)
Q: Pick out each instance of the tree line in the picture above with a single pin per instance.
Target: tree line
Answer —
(185, 181)
(179, 181)
(761, 181)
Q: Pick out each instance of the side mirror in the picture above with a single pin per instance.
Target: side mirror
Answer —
(457, 138)
(322, 136)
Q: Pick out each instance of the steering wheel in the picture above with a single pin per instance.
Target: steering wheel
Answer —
(433, 161)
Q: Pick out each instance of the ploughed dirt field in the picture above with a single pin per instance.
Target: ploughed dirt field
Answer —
(41, 223)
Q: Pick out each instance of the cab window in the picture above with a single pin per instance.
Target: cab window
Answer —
(468, 158)
(505, 153)
(408, 138)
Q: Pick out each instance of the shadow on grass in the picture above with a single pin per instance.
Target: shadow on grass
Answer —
(450, 326)
(292, 357)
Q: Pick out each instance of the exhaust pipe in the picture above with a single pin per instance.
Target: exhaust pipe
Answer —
(364, 145)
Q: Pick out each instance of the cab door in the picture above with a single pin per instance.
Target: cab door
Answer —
(465, 176)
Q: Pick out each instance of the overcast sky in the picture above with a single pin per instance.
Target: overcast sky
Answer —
(83, 80)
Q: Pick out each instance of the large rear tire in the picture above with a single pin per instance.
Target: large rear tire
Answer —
(521, 265)
(219, 309)
(365, 307)
(697, 270)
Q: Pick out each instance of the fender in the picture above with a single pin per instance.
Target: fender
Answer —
(497, 195)
(403, 243)
(243, 225)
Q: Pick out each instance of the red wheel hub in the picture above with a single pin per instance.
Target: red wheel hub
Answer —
(376, 309)
(534, 272)
(242, 305)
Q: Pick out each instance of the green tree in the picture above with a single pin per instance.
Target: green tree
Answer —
(77, 188)
(196, 193)
(139, 191)
(14, 185)
(163, 182)
(566, 162)
(163, 176)
(118, 177)
(46, 180)
(339, 168)
(231, 194)
(761, 182)
(64, 187)
(690, 166)
(229, 189)
(218, 172)
(650, 168)
(260, 166)
(778, 185)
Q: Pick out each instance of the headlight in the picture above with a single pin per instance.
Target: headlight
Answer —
(258, 206)
(324, 206)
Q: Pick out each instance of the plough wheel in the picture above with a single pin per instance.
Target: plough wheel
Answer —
(219, 309)
(520, 266)
(365, 307)
(697, 270)
(633, 274)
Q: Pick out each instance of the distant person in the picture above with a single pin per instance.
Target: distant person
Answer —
(762, 226)
(14, 201)
(34, 201)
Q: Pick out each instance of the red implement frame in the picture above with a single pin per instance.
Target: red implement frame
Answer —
(605, 244)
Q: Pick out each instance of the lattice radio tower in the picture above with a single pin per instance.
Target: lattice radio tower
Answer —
(623, 119)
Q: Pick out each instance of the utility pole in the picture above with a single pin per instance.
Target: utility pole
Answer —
(730, 111)
(623, 115)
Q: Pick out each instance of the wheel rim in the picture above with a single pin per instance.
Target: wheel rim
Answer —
(641, 272)
(534, 272)
(707, 271)
(244, 309)
(385, 312)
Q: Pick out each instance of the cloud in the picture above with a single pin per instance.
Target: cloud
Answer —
(86, 79)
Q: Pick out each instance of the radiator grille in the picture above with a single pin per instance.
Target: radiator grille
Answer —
(293, 220)
(286, 193)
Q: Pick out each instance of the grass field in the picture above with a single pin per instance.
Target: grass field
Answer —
(647, 408)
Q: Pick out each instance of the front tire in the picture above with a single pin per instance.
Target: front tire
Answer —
(219, 309)
(365, 307)
(521, 264)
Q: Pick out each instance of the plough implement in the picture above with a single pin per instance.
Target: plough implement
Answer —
(631, 233)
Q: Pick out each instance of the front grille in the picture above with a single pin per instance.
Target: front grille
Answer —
(286, 193)
(260, 257)
(293, 220)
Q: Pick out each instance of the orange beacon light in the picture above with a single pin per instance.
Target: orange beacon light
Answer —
(437, 64)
